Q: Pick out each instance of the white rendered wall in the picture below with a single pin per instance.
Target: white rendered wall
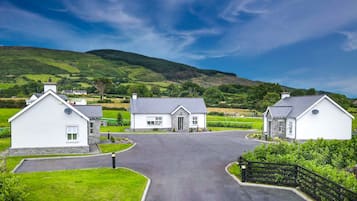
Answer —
(139, 121)
(201, 121)
(52, 87)
(44, 125)
(292, 134)
(265, 123)
(329, 123)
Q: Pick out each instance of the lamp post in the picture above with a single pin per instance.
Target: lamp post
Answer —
(244, 173)
(113, 160)
(108, 135)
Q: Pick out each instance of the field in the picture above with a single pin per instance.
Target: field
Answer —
(5, 114)
(90, 184)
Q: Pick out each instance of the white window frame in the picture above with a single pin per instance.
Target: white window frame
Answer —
(72, 131)
(281, 126)
(290, 127)
(154, 121)
(195, 120)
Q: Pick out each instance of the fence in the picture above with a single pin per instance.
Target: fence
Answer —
(296, 176)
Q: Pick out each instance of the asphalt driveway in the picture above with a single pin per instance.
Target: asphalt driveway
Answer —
(182, 167)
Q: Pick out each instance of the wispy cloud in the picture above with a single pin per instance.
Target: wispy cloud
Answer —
(289, 22)
(351, 40)
(236, 7)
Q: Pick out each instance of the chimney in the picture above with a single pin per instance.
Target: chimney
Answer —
(49, 86)
(285, 95)
(134, 96)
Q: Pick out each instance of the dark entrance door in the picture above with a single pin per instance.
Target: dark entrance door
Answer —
(180, 123)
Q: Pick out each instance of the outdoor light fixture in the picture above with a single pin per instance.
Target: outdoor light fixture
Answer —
(244, 167)
(113, 160)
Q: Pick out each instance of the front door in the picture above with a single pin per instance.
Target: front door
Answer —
(180, 123)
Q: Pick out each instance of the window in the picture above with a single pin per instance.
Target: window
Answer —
(91, 124)
(154, 121)
(158, 121)
(290, 126)
(194, 120)
(72, 133)
(281, 126)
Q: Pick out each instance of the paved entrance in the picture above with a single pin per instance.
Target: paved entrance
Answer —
(182, 167)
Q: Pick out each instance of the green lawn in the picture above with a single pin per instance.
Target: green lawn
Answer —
(100, 184)
(256, 123)
(235, 170)
(5, 114)
(222, 129)
(105, 129)
(108, 148)
(4, 143)
(114, 114)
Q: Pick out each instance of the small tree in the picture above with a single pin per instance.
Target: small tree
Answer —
(120, 119)
(100, 84)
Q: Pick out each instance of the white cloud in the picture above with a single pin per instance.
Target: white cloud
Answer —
(236, 7)
(351, 41)
(289, 22)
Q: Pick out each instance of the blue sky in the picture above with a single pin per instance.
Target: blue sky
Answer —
(298, 43)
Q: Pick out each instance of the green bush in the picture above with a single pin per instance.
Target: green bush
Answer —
(112, 139)
(105, 101)
(329, 158)
(229, 124)
(11, 188)
(216, 113)
(5, 132)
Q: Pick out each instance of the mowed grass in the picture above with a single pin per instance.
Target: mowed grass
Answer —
(100, 184)
(42, 77)
(113, 128)
(114, 114)
(108, 148)
(5, 114)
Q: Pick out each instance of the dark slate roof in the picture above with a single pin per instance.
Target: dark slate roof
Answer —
(91, 111)
(280, 111)
(166, 105)
(298, 104)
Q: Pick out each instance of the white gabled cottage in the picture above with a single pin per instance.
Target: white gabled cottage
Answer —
(307, 117)
(176, 114)
(51, 125)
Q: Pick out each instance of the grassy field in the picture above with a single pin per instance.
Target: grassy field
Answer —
(255, 123)
(108, 148)
(91, 184)
(114, 114)
(5, 114)
(4, 143)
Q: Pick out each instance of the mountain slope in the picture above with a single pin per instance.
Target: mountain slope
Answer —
(21, 64)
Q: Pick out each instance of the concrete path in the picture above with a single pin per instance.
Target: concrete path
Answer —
(182, 167)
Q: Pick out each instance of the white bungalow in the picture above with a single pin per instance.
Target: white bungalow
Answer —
(51, 125)
(176, 114)
(307, 117)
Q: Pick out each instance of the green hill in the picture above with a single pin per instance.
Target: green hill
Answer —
(21, 65)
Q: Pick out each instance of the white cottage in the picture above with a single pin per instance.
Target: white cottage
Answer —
(176, 114)
(51, 125)
(307, 117)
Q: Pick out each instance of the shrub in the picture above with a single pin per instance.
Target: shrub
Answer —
(11, 188)
(5, 132)
(216, 113)
(105, 101)
(229, 124)
(112, 139)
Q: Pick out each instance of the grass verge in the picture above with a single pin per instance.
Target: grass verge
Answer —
(90, 184)
(108, 148)
(235, 170)
(113, 128)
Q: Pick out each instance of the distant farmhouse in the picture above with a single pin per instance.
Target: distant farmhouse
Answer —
(307, 117)
(49, 124)
(174, 114)
(75, 92)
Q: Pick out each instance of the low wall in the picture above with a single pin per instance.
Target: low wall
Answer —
(47, 150)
